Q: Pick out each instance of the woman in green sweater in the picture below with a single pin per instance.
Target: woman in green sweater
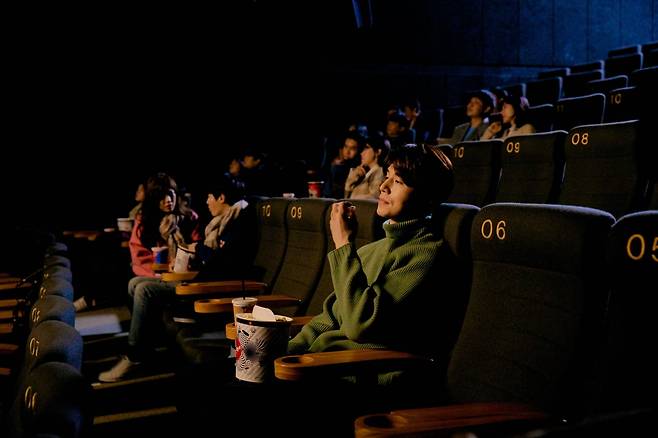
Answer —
(383, 291)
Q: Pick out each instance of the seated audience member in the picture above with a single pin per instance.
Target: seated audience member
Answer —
(397, 131)
(379, 288)
(234, 173)
(514, 120)
(363, 181)
(416, 118)
(255, 174)
(478, 108)
(348, 158)
(164, 221)
(223, 254)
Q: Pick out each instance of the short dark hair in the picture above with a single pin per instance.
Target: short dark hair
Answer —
(427, 169)
(358, 138)
(223, 185)
(379, 143)
(520, 105)
(400, 119)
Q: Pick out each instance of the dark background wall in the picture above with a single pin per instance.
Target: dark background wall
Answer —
(97, 99)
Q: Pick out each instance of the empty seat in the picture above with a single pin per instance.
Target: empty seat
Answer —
(576, 83)
(605, 85)
(647, 47)
(651, 58)
(629, 50)
(543, 91)
(532, 168)
(477, 170)
(621, 105)
(603, 169)
(541, 117)
(53, 400)
(623, 65)
(272, 235)
(574, 111)
(536, 309)
(589, 66)
(645, 77)
(630, 374)
(555, 73)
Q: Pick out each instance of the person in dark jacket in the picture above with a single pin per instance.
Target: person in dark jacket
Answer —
(224, 251)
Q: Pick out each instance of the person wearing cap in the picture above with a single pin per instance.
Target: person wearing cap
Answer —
(479, 106)
(514, 114)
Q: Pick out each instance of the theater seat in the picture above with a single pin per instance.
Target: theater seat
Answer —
(477, 170)
(575, 111)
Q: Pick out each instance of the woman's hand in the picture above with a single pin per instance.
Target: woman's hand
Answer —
(492, 130)
(343, 223)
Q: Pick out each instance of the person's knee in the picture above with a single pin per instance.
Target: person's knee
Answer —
(132, 286)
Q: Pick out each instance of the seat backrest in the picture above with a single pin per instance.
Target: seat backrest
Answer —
(629, 50)
(56, 260)
(631, 380)
(588, 66)
(53, 341)
(575, 111)
(623, 65)
(477, 170)
(52, 308)
(369, 230)
(621, 105)
(56, 286)
(541, 117)
(53, 400)
(272, 235)
(653, 203)
(555, 73)
(58, 271)
(306, 248)
(576, 83)
(516, 89)
(543, 91)
(532, 168)
(536, 305)
(607, 84)
(602, 169)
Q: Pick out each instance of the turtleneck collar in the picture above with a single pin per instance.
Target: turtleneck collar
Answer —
(403, 229)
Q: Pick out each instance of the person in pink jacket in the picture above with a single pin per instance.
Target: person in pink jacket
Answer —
(163, 221)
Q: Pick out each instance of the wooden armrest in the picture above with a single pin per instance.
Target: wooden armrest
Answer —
(6, 328)
(297, 323)
(160, 267)
(11, 303)
(5, 274)
(421, 421)
(125, 244)
(11, 286)
(6, 314)
(344, 363)
(8, 349)
(219, 287)
(85, 234)
(179, 276)
(14, 280)
(224, 305)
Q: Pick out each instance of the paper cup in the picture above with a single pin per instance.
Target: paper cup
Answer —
(160, 254)
(257, 345)
(125, 224)
(242, 305)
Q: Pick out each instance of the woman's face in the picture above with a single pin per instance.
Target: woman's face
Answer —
(168, 203)
(139, 194)
(508, 113)
(368, 156)
(350, 149)
(394, 197)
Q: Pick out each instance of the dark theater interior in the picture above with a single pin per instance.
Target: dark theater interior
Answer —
(365, 218)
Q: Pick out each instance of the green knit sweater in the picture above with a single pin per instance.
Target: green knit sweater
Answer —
(380, 294)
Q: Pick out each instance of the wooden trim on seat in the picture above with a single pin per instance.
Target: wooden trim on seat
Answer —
(4, 280)
(407, 422)
(8, 349)
(11, 303)
(344, 363)
(219, 287)
(224, 305)
(160, 267)
(11, 286)
(179, 276)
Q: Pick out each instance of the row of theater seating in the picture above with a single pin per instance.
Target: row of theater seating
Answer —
(584, 98)
(522, 254)
(43, 391)
(606, 166)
